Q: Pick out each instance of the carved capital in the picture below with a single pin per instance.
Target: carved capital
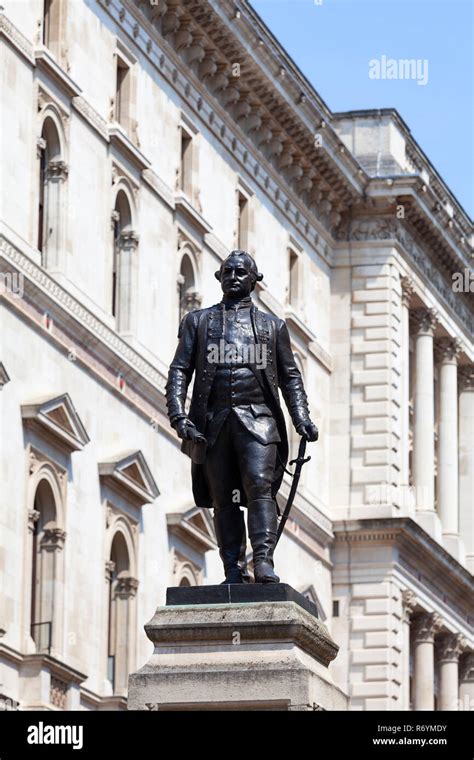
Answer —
(408, 290)
(126, 587)
(129, 239)
(466, 378)
(449, 647)
(425, 321)
(53, 539)
(57, 170)
(109, 570)
(33, 517)
(466, 667)
(448, 350)
(409, 603)
(425, 626)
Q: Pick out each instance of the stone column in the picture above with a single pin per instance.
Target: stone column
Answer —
(125, 592)
(448, 505)
(407, 292)
(127, 279)
(408, 606)
(466, 678)
(449, 646)
(425, 627)
(423, 443)
(55, 215)
(49, 601)
(466, 462)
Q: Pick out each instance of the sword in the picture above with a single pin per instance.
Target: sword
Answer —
(299, 461)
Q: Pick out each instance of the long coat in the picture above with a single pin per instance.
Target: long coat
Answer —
(198, 329)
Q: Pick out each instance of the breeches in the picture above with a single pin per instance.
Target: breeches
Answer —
(238, 460)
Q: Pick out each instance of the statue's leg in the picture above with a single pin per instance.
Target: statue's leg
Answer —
(257, 463)
(223, 476)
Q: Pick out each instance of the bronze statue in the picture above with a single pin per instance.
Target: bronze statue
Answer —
(235, 431)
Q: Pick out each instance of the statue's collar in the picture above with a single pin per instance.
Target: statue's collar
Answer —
(243, 303)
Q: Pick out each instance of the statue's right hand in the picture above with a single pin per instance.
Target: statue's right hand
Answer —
(187, 431)
(183, 427)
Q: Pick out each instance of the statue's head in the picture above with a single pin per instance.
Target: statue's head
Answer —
(238, 274)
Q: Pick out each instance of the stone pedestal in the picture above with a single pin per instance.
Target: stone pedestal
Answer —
(250, 655)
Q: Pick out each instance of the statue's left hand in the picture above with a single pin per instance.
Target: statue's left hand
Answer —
(308, 430)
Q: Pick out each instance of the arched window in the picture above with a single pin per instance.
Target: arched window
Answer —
(47, 544)
(52, 174)
(122, 590)
(189, 299)
(124, 263)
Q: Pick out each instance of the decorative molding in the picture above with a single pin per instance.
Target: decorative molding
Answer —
(82, 316)
(130, 474)
(59, 417)
(22, 44)
(89, 113)
(159, 187)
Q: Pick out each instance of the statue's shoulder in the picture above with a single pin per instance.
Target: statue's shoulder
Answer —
(192, 318)
(272, 319)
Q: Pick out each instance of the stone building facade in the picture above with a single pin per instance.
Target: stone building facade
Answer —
(142, 140)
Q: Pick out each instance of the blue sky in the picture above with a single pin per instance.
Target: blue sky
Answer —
(333, 42)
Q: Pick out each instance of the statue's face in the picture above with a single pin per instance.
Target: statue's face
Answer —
(237, 280)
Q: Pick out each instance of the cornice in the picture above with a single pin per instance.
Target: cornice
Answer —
(18, 40)
(391, 230)
(120, 140)
(216, 118)
(424, 211)
(412, 539)
(46, 62)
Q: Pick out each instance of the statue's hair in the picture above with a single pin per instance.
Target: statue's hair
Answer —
(256, 275)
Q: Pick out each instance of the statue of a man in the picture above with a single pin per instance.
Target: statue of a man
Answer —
(235, 430)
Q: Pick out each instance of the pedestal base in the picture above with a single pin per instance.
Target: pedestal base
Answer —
(266, 655)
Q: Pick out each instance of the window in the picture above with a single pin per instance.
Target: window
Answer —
(121, 594)
(186, 163)
(123, 93)
(124, 263)
(189, 299)
(242, 222)
(52, 174)
(293, 285)
(47, 543)
(54, 28)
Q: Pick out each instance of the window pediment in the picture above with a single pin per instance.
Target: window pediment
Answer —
(130, 473)
(195, 527)
(4, 376)
(59, 417)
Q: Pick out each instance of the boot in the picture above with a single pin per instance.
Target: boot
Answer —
(262, 524)
(229, 525)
